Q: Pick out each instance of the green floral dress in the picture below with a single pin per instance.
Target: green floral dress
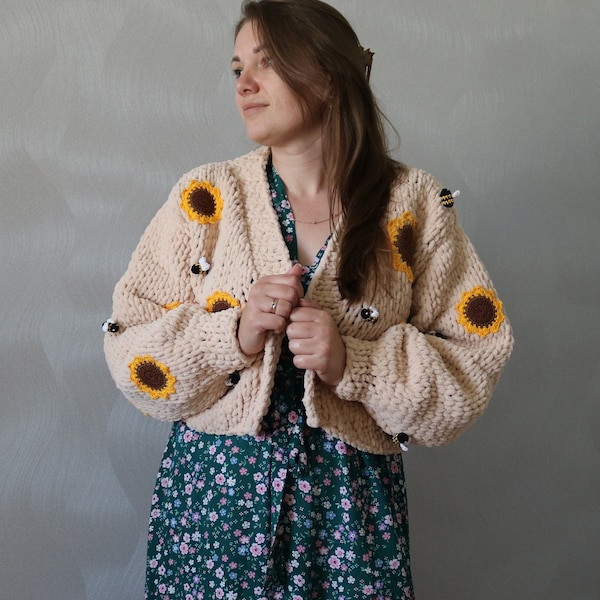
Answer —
(290, 514)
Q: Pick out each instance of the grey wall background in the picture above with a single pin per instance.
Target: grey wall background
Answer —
(105, 103)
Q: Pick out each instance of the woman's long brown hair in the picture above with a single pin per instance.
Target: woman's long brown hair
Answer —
(318, 55)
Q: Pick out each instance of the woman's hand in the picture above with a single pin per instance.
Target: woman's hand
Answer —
(316, 343)
(269, 306)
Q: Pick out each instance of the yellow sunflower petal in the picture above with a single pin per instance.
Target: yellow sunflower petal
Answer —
(202, 202)
(402, 236)
(172, 305)
(480, 312)
(152, 377)
(221, 301)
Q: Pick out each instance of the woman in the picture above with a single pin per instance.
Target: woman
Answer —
(300, 313)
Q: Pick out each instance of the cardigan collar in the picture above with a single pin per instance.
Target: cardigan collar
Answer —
(268, 248)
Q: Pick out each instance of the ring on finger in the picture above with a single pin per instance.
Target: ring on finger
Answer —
(274, 305)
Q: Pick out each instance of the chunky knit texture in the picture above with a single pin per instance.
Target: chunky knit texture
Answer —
(424, 349)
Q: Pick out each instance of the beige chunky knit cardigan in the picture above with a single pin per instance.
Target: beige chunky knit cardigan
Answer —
(424, 350)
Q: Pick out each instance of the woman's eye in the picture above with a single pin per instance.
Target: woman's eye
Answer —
(237, 73)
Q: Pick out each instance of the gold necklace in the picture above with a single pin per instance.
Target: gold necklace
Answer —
(335, 216)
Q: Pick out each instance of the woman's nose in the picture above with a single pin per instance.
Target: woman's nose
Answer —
(246, 83)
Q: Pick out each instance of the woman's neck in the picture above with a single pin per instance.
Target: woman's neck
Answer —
(302, 171)
(306, 187)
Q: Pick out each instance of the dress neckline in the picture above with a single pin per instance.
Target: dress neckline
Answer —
(283, 209)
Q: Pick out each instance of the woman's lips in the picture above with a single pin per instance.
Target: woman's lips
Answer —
(253, 107)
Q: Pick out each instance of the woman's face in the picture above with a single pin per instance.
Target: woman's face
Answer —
(269, 108)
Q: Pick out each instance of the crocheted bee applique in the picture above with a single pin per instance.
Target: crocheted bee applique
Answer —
(370, 314)
(202, 267)
(402, 440)
(447, 197)
(110, 326)
(233, 379)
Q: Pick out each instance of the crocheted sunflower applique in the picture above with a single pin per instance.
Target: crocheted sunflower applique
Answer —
(402, 235)
(221, 301)
(480, 312)
(171, 305)
(152, 377)
(202, 202)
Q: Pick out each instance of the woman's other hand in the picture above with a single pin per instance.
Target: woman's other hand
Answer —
(315, 342)
(269, 306)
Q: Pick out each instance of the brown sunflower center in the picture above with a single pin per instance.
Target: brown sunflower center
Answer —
(404, 243)
(203, 202)
(480, 311)
(220, 305)
(151, 376)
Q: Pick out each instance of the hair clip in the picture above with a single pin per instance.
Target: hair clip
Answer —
(368, 61)
(448, 197)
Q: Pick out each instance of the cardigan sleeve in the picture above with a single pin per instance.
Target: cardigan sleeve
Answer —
(432, 376)
(172, 356)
